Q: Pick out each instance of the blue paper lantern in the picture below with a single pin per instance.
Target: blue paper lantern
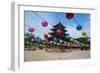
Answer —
(67, 37)
(38, 38)
(79, 27)
(54, 39)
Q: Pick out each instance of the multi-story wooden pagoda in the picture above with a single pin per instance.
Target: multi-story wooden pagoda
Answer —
(59, 32)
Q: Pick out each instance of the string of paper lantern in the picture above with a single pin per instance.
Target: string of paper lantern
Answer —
(32, 30)
(68, 15)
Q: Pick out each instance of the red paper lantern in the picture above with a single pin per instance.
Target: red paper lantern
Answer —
(44, 23)
(46, 36)
(69, 15)
(31, 36)
(31, 30)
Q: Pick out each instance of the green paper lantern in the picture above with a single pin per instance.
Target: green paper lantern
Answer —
(84, 33)
(32, 39)
(26, 34)
(72, 40)
(40, 44)
(83, 44)
(31, 44)
(27, 42)
(43, 42)
(60, 41)
(47, 43)
(54, 42)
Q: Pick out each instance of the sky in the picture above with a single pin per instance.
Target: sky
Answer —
(34, 19)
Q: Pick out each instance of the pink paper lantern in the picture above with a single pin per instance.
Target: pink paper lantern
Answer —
(31, 30)
(44, 23)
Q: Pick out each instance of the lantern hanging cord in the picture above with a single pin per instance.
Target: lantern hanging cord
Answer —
(39, 16)
(27, 25)
(76, 20)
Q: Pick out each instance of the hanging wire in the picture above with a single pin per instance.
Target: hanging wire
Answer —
(27, 25)
(39, 16)
(76, 21)
(44, 19)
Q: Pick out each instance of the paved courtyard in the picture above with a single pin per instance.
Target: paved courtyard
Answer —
(40, 55)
